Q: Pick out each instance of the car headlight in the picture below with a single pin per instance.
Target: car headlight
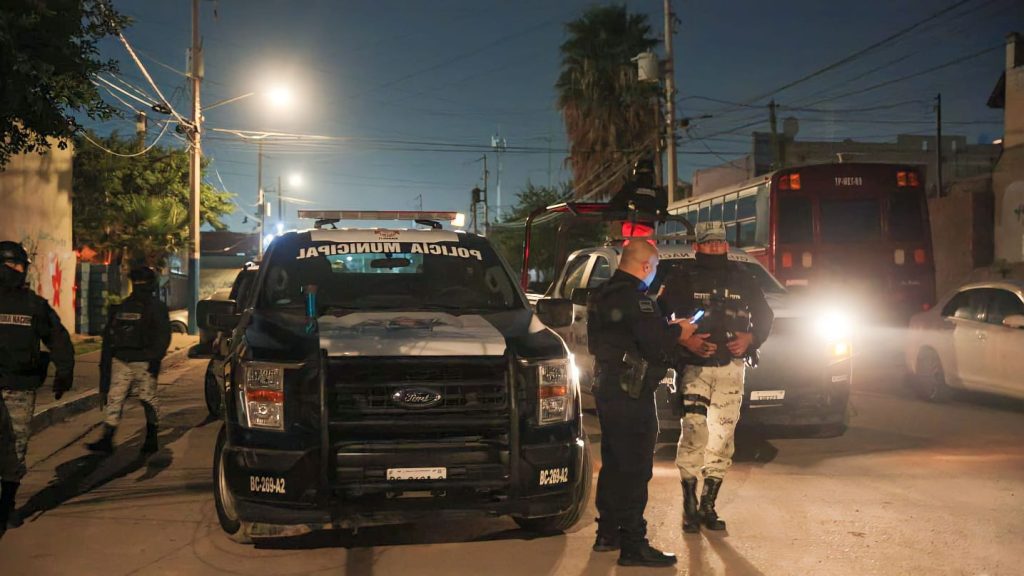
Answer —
(834, 325)
(261, 395)
(557, 381)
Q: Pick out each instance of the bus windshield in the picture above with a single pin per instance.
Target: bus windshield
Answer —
(850, 220)
(437, 276)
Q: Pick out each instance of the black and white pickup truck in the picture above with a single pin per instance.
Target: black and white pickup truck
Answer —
(806, 366)
(379, 376)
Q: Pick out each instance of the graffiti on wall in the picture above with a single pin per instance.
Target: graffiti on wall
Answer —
(52, 259)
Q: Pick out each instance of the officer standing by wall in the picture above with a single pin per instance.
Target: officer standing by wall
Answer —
(628, 338)
(736, 321)
(25, 320)
(135, 340)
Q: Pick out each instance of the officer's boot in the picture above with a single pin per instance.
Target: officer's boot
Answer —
(645, 555)
(9, 517)
(691, 517)
(707, 504)
(151, 445)
(106, 443)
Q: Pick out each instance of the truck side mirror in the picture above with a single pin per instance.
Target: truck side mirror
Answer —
(579, 296)
(555, 312)
(217, 315)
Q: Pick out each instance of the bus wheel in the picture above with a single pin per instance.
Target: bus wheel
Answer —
(236, 530)
(931, 378)
(569, 518)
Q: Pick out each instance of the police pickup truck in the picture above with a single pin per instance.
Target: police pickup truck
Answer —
(805, 368)
(378, 376)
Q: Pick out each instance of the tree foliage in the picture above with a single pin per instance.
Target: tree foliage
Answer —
(610, 117)
(137, 206)
(48, 55)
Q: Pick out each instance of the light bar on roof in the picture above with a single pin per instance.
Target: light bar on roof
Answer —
(377, 215)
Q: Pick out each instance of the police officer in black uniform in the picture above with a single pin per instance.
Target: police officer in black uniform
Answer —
(736, 321)
(135, 340)
(629, 338)
(25, 320)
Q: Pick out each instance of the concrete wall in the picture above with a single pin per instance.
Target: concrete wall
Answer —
(1008, 179)
(961, 231)
(710, 179)
(36, 193)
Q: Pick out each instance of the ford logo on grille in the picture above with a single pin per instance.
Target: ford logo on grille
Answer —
(416, 398)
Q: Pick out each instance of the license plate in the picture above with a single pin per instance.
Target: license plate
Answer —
(417, 473)
(767, 395)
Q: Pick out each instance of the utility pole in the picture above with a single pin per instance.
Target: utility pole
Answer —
(938, 144)
(776, 154)
(260, 199)
(280, 201)
(670, 105)
(195, 169)
(499, 144)
(140, 130)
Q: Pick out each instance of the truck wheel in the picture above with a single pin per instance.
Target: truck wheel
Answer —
(211, 392)
(569, 518)
(931, 379)
(237, 530)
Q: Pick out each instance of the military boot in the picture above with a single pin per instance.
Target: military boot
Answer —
(707, 504)
(106, 443)
(9, 517)
(691, 517)
(151, 445)
(645, 555)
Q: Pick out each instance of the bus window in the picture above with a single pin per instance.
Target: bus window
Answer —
(795, 226)
(692, 216)
(731, 234)
(705, 211)
(850, 220)
(746, 207)
(716, 212)
(729, 209)
(905, 221)
(748, 234)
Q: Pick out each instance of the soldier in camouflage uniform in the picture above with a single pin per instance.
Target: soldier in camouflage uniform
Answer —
(26, 320)
(737, 320)
(135, 340)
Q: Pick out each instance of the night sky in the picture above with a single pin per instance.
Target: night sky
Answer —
(414, 91)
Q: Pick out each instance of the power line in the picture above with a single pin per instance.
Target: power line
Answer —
(140, 153)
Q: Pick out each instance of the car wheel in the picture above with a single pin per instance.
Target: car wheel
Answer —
(179, 328)
(224, 501)
(931, 378)
(211, 392)
(569, 518)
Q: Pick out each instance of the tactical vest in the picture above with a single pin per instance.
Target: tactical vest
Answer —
(721, 295)
(130, 325)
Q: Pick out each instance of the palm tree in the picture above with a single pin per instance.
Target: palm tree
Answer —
(609, 116)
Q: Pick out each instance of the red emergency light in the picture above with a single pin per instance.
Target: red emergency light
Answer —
(637, 229)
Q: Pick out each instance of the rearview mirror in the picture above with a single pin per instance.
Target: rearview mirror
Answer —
(390, 263)
(1014, 321)
(217, 315)
(555, 312)
(579, 296)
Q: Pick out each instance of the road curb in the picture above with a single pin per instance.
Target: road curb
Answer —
(67, 407)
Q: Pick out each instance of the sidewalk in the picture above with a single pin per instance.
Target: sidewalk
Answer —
(85, 394)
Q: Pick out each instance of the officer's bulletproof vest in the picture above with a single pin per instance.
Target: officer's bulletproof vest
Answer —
(719, 293)
(130, 325)
(603, 340)
(19, 344)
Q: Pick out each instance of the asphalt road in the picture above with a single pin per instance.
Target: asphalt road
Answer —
(911, 488)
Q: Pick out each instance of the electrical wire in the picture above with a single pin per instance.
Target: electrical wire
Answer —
(118, 154)
(149, 79)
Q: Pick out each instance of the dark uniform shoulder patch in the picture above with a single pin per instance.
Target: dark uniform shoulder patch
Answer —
(646, 305)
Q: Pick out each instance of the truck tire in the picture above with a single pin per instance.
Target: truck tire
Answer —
(211, 392)
(569, 518)
(236, 530)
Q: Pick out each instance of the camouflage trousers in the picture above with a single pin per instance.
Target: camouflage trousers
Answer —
(19, 405)
(712, 396)
(125, 377)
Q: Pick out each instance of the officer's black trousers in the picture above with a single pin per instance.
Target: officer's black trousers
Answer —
(629, 431)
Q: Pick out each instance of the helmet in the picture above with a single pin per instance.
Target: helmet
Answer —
(13, 252)
(142, 275)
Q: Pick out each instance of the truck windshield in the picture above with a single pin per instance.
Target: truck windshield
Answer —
(449, 276)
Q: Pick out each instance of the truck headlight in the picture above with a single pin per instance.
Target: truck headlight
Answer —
(556, 389)
(262, 395)
(834, 325)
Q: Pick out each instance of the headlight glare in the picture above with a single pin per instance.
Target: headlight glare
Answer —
(262, 396)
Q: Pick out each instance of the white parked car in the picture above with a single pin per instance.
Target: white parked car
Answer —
(973, 339)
